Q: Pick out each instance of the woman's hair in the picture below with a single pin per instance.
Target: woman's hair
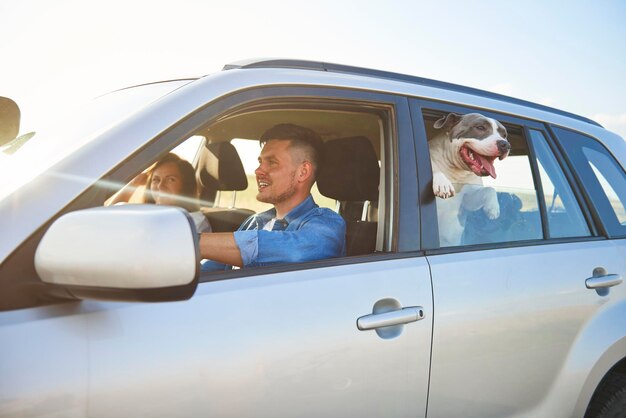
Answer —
(189, 192)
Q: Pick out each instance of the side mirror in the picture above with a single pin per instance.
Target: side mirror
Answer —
(9, 120)
(123, 252)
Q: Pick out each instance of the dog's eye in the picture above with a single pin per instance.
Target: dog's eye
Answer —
(481, 128)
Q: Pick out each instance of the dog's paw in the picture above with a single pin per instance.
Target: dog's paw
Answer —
(442, 187)
(492, 209)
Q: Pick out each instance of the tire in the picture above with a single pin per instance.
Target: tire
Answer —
(609, 401)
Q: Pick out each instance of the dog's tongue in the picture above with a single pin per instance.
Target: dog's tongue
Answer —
(487, 165)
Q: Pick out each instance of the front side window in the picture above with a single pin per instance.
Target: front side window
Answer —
(205, 163)
(234, 175)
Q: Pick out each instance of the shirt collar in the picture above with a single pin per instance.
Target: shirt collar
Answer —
(304, 206)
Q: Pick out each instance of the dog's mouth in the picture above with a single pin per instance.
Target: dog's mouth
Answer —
(481, 165)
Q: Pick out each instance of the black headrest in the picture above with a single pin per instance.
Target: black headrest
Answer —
(350, 170)
(220, 168)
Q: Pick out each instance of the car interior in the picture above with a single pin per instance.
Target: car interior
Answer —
(227, 152)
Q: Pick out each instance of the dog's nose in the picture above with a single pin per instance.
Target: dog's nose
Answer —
(503, 146)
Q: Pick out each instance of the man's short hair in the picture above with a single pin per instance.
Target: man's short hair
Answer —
(300, 137)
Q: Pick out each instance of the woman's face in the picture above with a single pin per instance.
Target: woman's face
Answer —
(166, 184)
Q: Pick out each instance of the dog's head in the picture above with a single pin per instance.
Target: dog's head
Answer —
(479, 140)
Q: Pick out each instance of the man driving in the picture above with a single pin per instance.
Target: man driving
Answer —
(296, 229)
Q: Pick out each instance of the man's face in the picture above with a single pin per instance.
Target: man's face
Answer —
(276, 174)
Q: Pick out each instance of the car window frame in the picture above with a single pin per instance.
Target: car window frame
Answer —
(399, 151)
(401, 196)
(430, 230)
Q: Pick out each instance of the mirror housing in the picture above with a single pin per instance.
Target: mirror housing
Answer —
(9, 120)
(123, 252)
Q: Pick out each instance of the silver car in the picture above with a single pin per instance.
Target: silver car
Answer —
(104, 311)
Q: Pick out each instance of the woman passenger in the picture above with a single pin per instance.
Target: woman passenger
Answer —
(170, 181)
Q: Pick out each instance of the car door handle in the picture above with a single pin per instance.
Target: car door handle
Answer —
(601, 279)
(605, 281)
(387, 319)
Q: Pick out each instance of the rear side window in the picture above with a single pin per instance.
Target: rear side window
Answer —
(602, 176)
(564, 216)
(506, 187)
(499, 206)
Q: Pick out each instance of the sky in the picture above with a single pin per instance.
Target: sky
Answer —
(566, 54)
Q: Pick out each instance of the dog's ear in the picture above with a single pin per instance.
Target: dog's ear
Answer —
(447, 121)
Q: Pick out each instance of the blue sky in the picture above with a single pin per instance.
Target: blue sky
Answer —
(566, 54)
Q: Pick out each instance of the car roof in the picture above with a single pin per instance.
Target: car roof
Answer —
(346, 69)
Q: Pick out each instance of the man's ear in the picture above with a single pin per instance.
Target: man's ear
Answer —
(305, 171)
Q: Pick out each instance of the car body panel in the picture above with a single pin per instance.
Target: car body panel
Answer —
(510, 324)
(270, 345)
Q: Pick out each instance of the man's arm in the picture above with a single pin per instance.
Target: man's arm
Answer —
(317, 238)
(220, 247)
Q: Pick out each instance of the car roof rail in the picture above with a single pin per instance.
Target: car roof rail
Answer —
(339, 68)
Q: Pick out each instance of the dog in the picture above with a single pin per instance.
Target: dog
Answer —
(463, 153)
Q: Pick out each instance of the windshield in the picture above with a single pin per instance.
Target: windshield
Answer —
(66, 130)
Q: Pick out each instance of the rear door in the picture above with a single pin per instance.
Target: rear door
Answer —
(512, 306)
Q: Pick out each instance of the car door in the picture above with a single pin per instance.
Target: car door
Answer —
(513, 310)
(279, 344)
(342, 337)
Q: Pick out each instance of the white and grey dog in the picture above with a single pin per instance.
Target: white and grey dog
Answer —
(463, 153)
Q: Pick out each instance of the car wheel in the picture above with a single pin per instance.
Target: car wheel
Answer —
(609, 400)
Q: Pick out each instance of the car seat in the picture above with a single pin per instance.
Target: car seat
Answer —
(351, 175)
(220, 169)
(511, 225)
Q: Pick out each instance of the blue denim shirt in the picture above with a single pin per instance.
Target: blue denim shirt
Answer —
(306, 233)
